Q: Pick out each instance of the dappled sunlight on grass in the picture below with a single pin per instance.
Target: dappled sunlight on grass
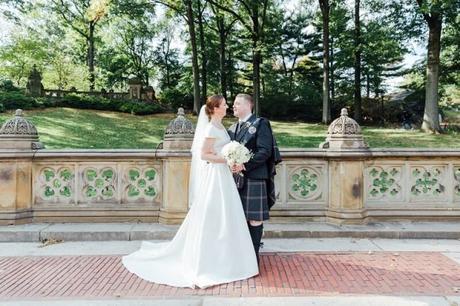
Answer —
(71, 128)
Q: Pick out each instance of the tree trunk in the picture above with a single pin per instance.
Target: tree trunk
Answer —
(256, 78)
(357, 56)
(368, 85)
(431, 115)
(256, 57)
(331, 65)
(196, 74)
(222, 66)
(324, 4)
(168, 80)
(90, 57)
(382, 111)
(291, 77)
(229, 67)
(166, 55)
(204, 55)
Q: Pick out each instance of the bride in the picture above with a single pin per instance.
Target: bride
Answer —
(213, 244)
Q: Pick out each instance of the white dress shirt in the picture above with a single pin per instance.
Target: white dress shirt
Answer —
(246, 118)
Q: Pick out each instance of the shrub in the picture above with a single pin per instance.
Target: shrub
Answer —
(173, 98)
(141, 108)
(8, 86)
(284, 107)
(87, 102)
(15, 100)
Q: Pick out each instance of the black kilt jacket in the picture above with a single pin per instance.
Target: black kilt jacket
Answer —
(256, 135)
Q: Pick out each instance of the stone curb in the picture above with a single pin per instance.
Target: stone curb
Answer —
(338, 300)
(129, 232)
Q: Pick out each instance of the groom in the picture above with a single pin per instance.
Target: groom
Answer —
(255, 134)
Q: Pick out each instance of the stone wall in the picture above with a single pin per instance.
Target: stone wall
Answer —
(148, 186)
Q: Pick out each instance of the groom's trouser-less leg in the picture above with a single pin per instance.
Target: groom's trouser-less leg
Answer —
(256, 236)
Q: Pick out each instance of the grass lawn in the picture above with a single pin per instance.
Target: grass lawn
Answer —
(85, 129)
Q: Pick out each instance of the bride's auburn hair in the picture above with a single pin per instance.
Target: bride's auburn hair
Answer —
(211, 103)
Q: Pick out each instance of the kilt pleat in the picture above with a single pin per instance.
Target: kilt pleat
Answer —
(255, 200)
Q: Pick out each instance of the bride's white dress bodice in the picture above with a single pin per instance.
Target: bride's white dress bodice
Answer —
(220, 135)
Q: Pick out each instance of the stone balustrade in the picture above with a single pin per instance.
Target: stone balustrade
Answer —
(57, 93)
(149, 186)
(342, 182)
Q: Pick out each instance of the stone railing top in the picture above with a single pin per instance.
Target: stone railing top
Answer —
(123, 154)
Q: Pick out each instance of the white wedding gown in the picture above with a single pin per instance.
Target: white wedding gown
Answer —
(213, 245)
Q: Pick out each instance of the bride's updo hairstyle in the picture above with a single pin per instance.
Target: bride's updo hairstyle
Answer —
(211, 103)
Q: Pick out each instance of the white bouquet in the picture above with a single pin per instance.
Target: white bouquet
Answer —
(235, 153)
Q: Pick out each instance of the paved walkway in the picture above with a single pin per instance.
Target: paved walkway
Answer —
(282, 274)
(335, 271)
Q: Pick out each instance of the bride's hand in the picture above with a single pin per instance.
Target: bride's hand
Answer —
(237, 168)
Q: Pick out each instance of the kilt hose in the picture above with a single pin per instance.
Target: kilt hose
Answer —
(255, 199)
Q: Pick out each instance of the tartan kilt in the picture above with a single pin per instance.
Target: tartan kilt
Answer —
(254, 199)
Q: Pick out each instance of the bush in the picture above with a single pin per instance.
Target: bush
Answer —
(174, 99)
(7, 85)
(15, 100)
(141, 108)
(284, 107)
(133, 107)
(87, 102)
(394, 112)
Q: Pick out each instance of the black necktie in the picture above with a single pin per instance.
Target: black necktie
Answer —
(238, 127)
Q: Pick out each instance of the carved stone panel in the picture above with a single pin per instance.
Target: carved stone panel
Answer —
(98, 183)
(306, 183)
(384, 183)
(456, 183)
(55, 184)
(428, 183)
(141, 183)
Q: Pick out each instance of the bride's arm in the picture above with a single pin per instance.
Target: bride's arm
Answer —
(207, 152)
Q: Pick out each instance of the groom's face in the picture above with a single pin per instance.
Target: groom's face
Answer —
(241, 108)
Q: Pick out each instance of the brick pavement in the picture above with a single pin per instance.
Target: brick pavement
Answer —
(282, 274)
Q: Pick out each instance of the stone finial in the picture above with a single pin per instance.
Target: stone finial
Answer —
(19, 133)
(179, 133)
(344, 133)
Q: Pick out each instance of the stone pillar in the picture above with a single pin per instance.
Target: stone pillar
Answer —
(135, 88)
(149, 94)
(346, 190)
(16, 191)
(176, 170)
(34, 85)
(175, 190)
(20, 137)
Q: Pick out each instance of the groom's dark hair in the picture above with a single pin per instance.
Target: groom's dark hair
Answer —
(246, 97)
